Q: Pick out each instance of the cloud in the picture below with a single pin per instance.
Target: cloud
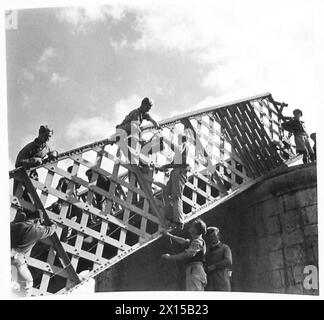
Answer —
(124, 106)
(27, 76)
(45, 62)
(56, 78)
(236, 48)
(47, 54)
(82, 18)
(83, 131)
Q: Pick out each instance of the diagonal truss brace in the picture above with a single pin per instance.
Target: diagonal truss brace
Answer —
(212, 169)
(149, 194)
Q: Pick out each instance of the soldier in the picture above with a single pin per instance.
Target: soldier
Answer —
(131, 126)
(137, 116)
(172, 192)
(218, 262)
(25, 233)
(35, 152)
(297, 127)
(194, 255)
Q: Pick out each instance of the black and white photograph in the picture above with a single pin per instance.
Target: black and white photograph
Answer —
(161, 146)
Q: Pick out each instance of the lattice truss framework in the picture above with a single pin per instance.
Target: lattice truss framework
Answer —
(229, 146)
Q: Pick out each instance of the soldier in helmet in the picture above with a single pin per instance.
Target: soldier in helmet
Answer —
(297, 127)
(137, 116)
(131, 126)
(35, 152)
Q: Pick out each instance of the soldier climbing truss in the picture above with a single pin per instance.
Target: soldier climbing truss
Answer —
(230, 147)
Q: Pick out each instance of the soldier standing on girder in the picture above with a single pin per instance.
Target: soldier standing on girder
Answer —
(297, 127)
(172, 192)
(131, 126)
(25, 233)
(137, 116)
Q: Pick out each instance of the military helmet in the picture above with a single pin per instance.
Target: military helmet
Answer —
(298, 111)
(147, 102)
(45, 130)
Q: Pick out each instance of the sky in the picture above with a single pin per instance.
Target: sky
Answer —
(81, 69)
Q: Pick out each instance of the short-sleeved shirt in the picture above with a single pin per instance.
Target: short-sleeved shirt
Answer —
(24, 235)
(32, 150)
(135, 115)
(196, 250)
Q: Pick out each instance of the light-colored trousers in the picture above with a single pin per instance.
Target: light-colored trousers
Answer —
(196, 278)
(25, 278)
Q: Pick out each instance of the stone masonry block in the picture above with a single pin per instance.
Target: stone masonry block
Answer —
(295, 255)
(300, 199)
(293, 238)
(269, 207)
(259, 225)
(289, 276)
(311, 230)
(315, 251)
(276, 260)
(290, 220)
(262, 246)
(310, 257)
(298, 273)
(295, 289)
(269, 244)
(309, 215)
(276, 280)
(272, 225)
(263, 262)
(263, 281)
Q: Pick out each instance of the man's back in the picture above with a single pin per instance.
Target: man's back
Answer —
(25, 234)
